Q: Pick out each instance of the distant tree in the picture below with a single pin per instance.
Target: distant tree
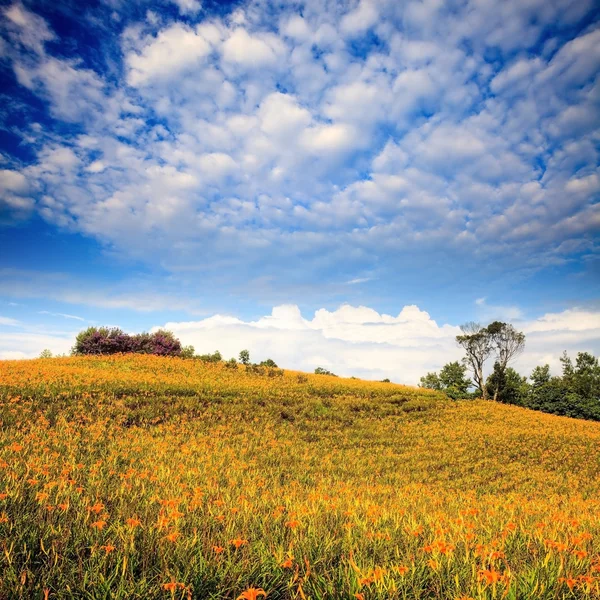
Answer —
(386, 380)
(164, 343)
(507, 343)
(322, 371)
(101, 340)
(111, 340)
(214, 357)
(269, 363)
(431, 381)
(45, 353)
(188, 352)
(478, 347)
(231, 364)
(507, 385)
(244, 357)
(452, 380)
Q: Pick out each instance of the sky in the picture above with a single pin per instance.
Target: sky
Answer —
(336, 183)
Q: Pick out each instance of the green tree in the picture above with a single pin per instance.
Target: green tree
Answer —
(187, 352)
(507, 344)
(45, 353)
(244, 357)
(478, 347)
(452, 380)
(507, 385)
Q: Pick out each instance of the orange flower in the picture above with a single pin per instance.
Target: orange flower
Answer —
(252, 594)
(292, 524)
(569, 581)
(133, 522)
(579, 554)
(3, 496)
(359, 596)
(108, 548)
(97, 508)
(490, 576)
(238, 542)
(98, 525)
(172, 586)
(288, 563)
(402, 570)
(218, 549)
(173, 536)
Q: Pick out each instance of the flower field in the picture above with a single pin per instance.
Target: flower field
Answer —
(147, 477)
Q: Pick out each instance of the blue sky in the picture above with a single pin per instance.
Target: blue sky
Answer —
(166, 162)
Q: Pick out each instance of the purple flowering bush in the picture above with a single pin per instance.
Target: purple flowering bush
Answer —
(111, 340)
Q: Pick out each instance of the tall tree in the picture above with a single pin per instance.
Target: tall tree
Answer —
(507, 343)
(477, 344)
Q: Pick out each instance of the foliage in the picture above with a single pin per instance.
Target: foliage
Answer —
(507, 343)
(214, 357)
(244, 357)
(506, 385)
(323, 371)
(480, 343)
(112, 340)
(138, 476)
(452, 380)
(575, 394)
(478, 347)
(268, 363)
(45, 353)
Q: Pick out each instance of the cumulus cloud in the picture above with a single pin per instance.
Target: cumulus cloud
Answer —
(266, 140)
(359, 341)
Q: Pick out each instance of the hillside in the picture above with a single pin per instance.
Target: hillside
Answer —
(146, 477)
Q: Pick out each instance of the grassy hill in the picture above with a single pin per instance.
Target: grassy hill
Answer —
(145, 477)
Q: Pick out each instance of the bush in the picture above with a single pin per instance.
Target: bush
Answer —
(268, 363)
(322, 371)
(112, 340)
(214, 357)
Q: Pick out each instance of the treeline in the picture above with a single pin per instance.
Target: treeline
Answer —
(575, 393)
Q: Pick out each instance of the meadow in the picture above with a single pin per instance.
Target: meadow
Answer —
(146, 477)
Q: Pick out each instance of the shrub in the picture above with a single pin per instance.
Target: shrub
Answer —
(102, 340)
(112, 340)
(268, 363)
(214, 357)
(322, 371)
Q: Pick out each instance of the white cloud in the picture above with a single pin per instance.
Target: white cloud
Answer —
(363, 17)
(251, 50)
(360, 341)
(165, 56)
(188, 6)
(9, 322)
(27, 28)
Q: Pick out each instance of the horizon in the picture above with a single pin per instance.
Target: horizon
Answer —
(335, 184)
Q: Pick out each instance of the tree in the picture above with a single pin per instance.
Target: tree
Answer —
(45, 353)
(269, 363)
(507, 343)
(431, 381)
(507, 385)
(477, 344)
(452, 381)
(245, 357)
(322, 371)
(188, 352)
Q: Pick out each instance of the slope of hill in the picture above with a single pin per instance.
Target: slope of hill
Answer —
(144, 477)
